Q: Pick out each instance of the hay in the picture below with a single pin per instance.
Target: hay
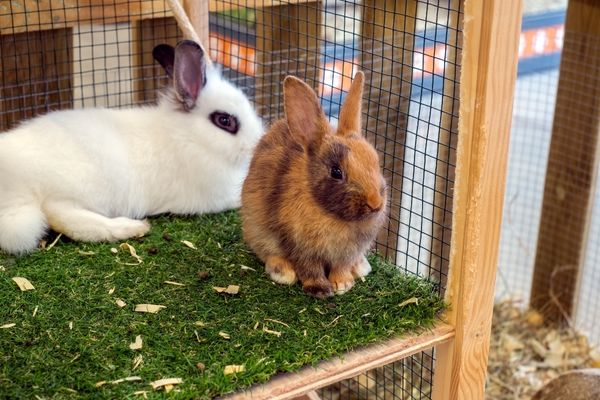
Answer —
(525, 354)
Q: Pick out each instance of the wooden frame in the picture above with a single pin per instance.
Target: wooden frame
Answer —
(488, 72)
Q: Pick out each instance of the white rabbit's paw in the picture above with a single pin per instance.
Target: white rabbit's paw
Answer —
(125, 228)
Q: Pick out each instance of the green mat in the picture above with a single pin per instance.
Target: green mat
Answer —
(68, 338)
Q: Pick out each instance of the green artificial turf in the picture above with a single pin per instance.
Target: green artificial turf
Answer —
(79, 336)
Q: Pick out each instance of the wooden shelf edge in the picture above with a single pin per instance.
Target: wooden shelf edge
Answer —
(294, 384)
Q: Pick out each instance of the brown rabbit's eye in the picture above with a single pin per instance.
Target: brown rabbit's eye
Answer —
(336, 173)
(225, 121)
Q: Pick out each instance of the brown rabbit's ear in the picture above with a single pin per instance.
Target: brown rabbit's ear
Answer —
(305, 118)
(189, 72)
(350, 114)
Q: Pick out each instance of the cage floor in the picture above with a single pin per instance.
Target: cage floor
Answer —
(76, 332)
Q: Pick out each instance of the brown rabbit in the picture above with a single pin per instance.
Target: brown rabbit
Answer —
(314, 198)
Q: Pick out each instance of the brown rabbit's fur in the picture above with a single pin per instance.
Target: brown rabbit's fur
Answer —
(300, 220)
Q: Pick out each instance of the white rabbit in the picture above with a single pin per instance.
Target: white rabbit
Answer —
(92, 174)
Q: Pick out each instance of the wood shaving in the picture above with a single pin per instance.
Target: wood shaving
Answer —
(174, 283)
(23, 283)
(277, 322)
(6, 326)
(246, 268)
(35, 310)
(199, 323)
(164, 382)
(137, 344)
(114, 250)
(137, 361)
(412, 300)
(233, 369)
(111, 291)
(231, 289)
(101, 383)
(86, 253)
(189, 244)
(120, 303)
(224, 335)
(148, 308)
(132, 252)
(276, 333)
(141, 393)
(71, 325)
(128, 379)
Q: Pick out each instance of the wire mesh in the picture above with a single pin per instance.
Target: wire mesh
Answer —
(79, 54)
(533, 111)
(552, 207)
(98, 54)
(407, 379)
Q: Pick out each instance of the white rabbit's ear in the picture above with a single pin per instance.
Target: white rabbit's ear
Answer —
(165, 55)
(189, 73)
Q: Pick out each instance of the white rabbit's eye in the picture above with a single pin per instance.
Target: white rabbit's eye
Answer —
(225, 121)
(336, 172)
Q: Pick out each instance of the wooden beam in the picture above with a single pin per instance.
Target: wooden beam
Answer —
(572, 166)
(33, 15)
(489, 68)
(387, 46)
(290, 385)
(287, 43)
(35, 74)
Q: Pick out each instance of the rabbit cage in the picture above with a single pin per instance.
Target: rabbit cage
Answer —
(549, 252)
(437, 105)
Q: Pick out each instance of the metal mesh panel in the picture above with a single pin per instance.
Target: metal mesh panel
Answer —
(80, 54)
(551, 209)
(533, 111)
(99, 54)
(408, 379)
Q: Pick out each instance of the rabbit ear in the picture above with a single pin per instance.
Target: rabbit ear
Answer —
(165, 55)
(350, 114)
(305, 118)
(189, 72)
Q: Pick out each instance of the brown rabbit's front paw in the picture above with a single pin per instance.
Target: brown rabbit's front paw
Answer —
(318, 288)
(280, 270)
(341, 280)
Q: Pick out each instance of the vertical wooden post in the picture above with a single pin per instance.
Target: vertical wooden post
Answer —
(287, 42)
(489, 69)
(35, 74)
(388, 28)
(572, 165)
(149, 77)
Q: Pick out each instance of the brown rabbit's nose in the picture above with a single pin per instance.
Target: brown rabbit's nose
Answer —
(375, 202)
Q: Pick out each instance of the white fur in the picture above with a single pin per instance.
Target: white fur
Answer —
(77, 171)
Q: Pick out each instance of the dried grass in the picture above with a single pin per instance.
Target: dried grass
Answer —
(525, 354)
